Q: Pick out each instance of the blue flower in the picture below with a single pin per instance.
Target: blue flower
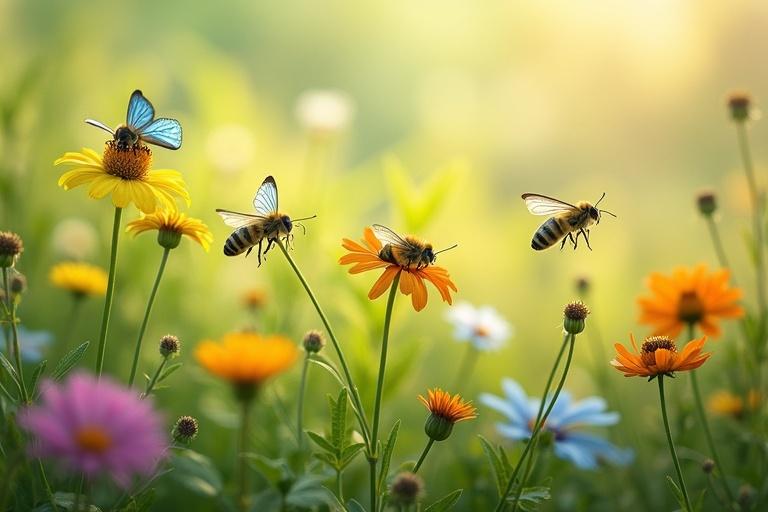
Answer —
(33, 344)
(584, 450)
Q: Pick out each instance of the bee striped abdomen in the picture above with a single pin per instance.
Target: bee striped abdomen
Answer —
(547, 235)
(240, 240)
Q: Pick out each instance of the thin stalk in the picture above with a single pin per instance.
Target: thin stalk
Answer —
(339, 487)
(147, 312)
(353, 392)
(705, 426)
(717, 243)
(372, 455)
(46, 485)
(423, 455)
(110, 292)
(539, 424)
(467, 364)
(15, 336)
(154, 378)
(74, 316)
(242, 466)
(300, 411)
(672, 451)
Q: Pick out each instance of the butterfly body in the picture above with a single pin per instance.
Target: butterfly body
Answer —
(141, 126)
(565, 220)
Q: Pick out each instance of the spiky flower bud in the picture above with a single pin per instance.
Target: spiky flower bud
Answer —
(740, 104)
(169, 346)
(438, 427)
(11, 248)
(18, 283)
(582, 285)
(575, 315)
(406, 489)
(707, 203)
(313, 342)
(185, 429)
(169, 238)
(708, 466)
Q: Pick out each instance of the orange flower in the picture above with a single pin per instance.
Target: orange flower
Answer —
(659, 356)
(365, 256)
(452, 408)
(689, 296)
(245, 358)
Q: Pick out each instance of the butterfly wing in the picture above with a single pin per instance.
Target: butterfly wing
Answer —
(101, 125)
(163, 132)
(265, 201)
(238, 220)
(545, 205)
(387, 236)
(140, 111)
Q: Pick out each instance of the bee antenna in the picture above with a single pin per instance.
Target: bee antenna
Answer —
(609, 213)
(304, 218)
(448, 249)
(299, 224)
(598, 201)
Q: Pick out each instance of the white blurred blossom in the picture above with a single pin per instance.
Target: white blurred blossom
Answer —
(230, 148)
(324, 111)
(74, 238)
(482, 326)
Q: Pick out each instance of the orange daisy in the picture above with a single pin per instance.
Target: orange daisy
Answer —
(452, 408)
(689, 296)
(366, 257)
(658, 355)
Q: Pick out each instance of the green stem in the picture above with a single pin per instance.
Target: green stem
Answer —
(467, 364)
(147, 312)
(46, 485)
(110, 292)
(15, 336)
(705, 425)
(423, 455)
(717, 242)
(153, 381)
(372, 455)
(339, 487)
(74, 316)
(541, 418)
(353, 392)
(672, 451)
(242, 466)
(300, 411)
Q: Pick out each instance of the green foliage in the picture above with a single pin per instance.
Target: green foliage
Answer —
(196, 473)
(69, 361)
(446, 502)
(532, 497)
(337, 451)
(36, 374)
(500, 466)
(386, 457)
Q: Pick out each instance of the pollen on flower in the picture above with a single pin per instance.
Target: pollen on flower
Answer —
(576, 310)
(131, 163)
(93, 439)
(652, 344)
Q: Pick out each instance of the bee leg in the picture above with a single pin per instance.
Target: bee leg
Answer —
(248, 251)
(574, 242)
(259, 253)
(562, 244)
(586, 237)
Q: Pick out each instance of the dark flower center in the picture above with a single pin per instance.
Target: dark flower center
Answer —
(129, 163)
(652, 344)
(690, 309)
(93, 439)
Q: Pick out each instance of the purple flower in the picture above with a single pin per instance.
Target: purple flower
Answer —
(96, 427)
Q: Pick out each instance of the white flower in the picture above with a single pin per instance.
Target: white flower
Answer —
(230, 148)
(324, 111)
(482, 326)
(74, 239)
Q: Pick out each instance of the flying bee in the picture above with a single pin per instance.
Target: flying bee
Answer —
(565, 220)
(405, 251)
(267, 224)
(141, 125)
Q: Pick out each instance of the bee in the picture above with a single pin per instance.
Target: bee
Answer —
(405, 251)
(565, 220)
(141, 125)
(267, 224)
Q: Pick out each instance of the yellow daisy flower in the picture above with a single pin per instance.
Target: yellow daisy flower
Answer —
(171, 225)
(125, 173)
(79, 278)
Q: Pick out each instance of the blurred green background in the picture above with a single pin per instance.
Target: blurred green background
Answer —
(457, 108)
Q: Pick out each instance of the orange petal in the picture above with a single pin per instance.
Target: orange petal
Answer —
(383, 282)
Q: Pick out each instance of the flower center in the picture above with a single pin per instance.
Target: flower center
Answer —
(481, 331)
(93, 439)
(130, 163)
(690, 309)
(651, 345)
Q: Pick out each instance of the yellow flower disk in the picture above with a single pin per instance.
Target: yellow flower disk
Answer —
(79, 278)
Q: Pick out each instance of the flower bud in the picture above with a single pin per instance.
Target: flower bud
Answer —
(438, 428)
(185, 429)
(18, 284)
(575, 315)
(169, 346)
(708, 466)
(11, 248)
(707, 203)
(169, 238)
(406, 489)
(313, 342)
(582, 285)
(740, 104)
(746, 496)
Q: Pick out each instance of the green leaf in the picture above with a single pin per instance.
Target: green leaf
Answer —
(339, 421)
(386, 456)
(196, 472)
(65, 500)
(308, 492)
(168, 371)
(677, 492)
(274, 470)
(322, 442)
(532, 497)
(69, 361)
(141, 503)
(11, 372)
(268, 500)
(328, 458)
(497, 466)
(445, 503)
(355, 506)
(36, 373)
(349, 454)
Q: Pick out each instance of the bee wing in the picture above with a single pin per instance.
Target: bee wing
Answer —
(265, 201)
(101, 125)
(238, 220)
(387, 236)
(545, 205)
(162, 132)
(140, 111)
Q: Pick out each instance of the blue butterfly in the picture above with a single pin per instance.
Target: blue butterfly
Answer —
(141, 125)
